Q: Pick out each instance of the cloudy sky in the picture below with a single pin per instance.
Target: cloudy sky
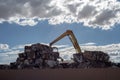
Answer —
(23, 22)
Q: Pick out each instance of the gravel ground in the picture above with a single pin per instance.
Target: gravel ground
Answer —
(61, 74)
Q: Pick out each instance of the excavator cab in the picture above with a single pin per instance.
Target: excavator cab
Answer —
(55, 49)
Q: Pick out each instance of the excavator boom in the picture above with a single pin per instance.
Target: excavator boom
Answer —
(70, 34)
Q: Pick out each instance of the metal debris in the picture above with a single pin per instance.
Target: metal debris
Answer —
(39, 56)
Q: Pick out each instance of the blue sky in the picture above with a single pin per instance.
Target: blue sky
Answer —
(43, 32)
(94, 22)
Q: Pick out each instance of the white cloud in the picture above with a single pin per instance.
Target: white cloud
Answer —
(60, 46)
(10, 54)
(102, 14)
(88, 44)
(20, 46)
(23, 21)
(4, 46)
(8, 57)
(105, 48)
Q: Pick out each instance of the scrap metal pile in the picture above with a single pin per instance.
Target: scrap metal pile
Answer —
(92, 59)
(36, 56)
(42, 56)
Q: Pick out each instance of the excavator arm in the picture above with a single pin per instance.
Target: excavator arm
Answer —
(71, 36)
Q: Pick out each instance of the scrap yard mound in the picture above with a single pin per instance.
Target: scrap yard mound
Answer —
(40, 56)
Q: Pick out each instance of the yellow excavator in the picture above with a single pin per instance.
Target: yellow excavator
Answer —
(71, 36)
(79, 56)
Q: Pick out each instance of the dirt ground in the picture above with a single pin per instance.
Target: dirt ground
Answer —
(61, 74)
